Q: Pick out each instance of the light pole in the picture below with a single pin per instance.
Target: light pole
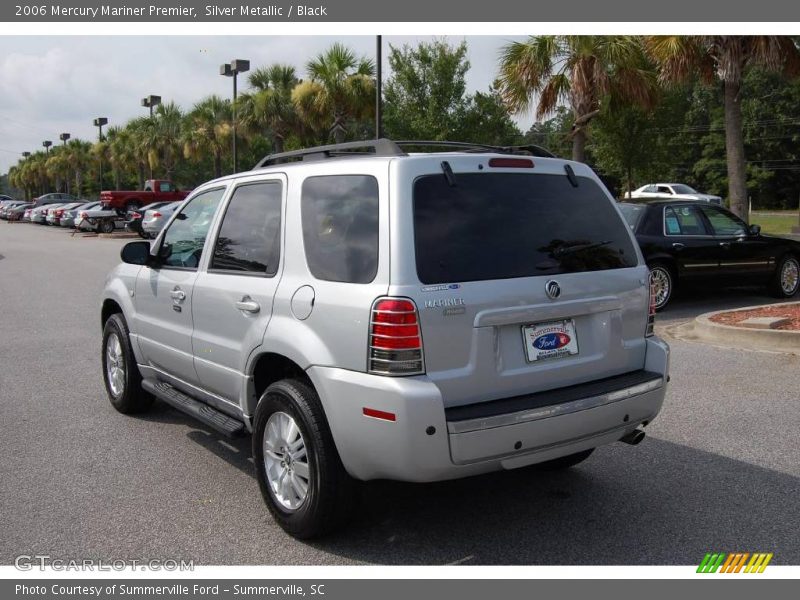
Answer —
(236, 66)
(64, 137)
(151, 101)
(47, 144)
(378, 87)
(26, 154)
(99, 122)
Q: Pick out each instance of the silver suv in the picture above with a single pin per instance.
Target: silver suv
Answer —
(367, 313)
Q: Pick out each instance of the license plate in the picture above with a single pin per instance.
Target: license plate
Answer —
(554, 339)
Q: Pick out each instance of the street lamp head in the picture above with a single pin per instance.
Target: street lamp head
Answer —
(47, 143)
(100, 121)
(151, 100)
(240, 66)
(226, 70)
(26, 154)
(64, 137)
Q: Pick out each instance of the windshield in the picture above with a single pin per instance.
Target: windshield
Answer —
(679, 188)
(504, 225)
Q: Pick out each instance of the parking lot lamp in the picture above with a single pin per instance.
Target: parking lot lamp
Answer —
(151, 101)
(26, 154)
(236, 66)
(47, 144)
(99, 122)
(64, 137)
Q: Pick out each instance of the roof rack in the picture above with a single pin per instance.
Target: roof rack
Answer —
(386, 147)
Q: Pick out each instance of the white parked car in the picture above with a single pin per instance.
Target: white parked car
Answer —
(101, 219)
(672, 191)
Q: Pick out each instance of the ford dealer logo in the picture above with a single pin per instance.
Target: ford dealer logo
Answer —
(551, 341)
(552, 289)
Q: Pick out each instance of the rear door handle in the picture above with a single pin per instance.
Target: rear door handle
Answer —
(678, 246)
(178, 295)
(247, 304)
(725, 244)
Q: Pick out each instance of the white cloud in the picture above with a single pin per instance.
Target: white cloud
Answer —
(59, 84)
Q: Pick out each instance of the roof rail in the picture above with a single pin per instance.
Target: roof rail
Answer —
(386, 147)
(474, 147)
(380, 147)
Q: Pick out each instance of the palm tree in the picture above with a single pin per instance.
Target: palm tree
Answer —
(79, 160)
(341, 88)
(121, 154)
(268, 109)
(582, 70)
(162, 137)
(138, 132)
(207, 131)
(725, 58)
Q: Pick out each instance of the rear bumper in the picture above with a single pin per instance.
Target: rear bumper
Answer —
(426, 443)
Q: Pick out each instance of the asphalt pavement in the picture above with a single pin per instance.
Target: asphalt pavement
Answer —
(718, 471)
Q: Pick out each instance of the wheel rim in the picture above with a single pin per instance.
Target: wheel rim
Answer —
(790, 274)
(286, 461)
(661, 284)
(115, 365)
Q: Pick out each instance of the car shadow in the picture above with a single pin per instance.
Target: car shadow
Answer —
(691, 302)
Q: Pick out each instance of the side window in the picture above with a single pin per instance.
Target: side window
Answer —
(683, 220)
(724, 223)
(250, 236)
(184, 240)
(340, 227)
(662, 189)
(165, 186)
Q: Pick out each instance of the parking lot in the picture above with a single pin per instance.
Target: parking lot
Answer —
(718, 471)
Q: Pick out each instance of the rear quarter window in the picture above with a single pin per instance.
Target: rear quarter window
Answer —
(506, 225)
(340, 227)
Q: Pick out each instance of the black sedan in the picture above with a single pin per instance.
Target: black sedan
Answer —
(694, 242)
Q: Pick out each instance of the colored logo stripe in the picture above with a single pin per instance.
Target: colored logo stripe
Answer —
(734, 562)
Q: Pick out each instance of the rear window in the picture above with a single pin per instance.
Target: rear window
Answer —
(632, 213)
(505, 225)
(340, 227)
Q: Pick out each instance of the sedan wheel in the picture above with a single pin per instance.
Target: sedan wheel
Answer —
(115, 365)
(790, 276)
(661, 285)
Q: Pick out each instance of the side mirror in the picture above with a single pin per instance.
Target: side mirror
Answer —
(754, 230)
(136, 253)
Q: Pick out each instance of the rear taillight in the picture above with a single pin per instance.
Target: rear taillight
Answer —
(651, 312)
(395, 341)
(136, 216)
(156, 215)
(59, 213)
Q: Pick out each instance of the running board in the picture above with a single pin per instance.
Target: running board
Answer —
(194, 408)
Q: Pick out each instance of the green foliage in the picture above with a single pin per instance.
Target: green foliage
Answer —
(426, 99)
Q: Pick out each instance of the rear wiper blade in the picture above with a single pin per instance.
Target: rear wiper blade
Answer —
(565, 250)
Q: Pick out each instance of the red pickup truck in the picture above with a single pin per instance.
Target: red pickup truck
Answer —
(155, 190)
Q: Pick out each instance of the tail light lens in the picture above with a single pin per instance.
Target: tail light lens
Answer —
(651, 312)
(395, 341)
(136, 215)
(59, 213)
(156, 214)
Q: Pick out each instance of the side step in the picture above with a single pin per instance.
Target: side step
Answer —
(200, 411)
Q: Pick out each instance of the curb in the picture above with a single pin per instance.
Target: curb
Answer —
(770, 340)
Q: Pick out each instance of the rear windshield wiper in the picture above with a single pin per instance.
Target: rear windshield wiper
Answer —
(565, 250)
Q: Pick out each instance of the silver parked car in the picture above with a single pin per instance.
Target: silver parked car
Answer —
(100, 219)
(154, 219)
(671, 191)
(70, 216)
(365, 314)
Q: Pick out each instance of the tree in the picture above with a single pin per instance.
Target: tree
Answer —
(341, 88)
(207, 131)
(581, 70)
(268, 110)
(162, 137)
(79, 160)
(725, 59)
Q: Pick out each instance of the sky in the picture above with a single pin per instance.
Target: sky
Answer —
(56, 84)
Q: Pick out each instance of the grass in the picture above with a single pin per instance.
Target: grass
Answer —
(775, 222)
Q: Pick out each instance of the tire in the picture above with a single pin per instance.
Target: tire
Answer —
(564, 462)
(125, 390)
(106, 226)
(131, 206)
(786, 280)
(329, 491)
(663, 277)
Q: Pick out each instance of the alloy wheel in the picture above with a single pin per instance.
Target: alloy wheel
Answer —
(115, 365)
(790, 276)
(286, 461)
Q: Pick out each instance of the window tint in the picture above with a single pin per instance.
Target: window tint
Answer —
(165, 186)
(250, 236)
(186, 236)
(683, 220)
(504, 225)
(340, 227)
(723, 222)
(662, 189)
